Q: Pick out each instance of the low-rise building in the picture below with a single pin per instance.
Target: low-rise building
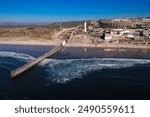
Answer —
(108, 37)
(116, 32)
(146, 33)
(128, 33)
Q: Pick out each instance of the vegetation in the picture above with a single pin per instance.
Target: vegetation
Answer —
(35, 31)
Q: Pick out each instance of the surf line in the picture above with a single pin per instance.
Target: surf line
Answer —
(34, 62)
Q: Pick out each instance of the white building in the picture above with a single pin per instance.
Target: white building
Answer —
(146, 33)
(146, 20)
(128, 33)
(123, 19)
(116, 32)
(108, 37)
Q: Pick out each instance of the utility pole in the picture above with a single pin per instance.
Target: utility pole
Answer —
(60, 25)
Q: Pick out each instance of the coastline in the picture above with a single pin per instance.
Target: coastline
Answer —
(28, 41)
(110, 46)
(42, 42)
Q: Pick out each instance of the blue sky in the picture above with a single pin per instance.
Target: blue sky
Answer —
(64, 10)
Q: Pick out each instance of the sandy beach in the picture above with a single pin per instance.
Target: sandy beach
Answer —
(53, 42)
(28, 41)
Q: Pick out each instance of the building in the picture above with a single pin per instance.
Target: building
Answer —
(93, 22)
(116, 32)
(108, 37)
(128, 33)
(146, 33)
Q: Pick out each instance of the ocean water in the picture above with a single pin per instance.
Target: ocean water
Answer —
(74, 73)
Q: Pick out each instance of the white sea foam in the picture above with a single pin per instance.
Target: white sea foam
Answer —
(65, 70)
(7, 63)
(19, 56)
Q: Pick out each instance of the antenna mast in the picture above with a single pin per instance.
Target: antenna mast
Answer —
(60, 25)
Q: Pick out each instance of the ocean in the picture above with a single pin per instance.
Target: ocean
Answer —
(75, 73)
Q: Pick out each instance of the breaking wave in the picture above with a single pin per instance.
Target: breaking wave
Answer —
(66, 70)
(16, 55)
(11, 60)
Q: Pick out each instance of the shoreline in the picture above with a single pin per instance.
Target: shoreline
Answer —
(41, 42)
(35, 43)
(110, 46)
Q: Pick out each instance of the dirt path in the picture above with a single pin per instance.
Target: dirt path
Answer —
(60, 33)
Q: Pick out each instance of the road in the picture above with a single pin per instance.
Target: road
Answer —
(60, 33)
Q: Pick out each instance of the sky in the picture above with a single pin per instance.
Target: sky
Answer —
(70, 10)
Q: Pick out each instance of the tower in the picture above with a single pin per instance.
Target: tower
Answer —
(85, 26)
